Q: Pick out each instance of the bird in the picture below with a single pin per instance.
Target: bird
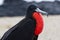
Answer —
(28, 28)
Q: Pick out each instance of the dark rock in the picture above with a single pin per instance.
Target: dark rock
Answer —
(53, 8)
(19, 7)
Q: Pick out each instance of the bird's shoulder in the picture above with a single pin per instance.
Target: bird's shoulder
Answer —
(24, 21)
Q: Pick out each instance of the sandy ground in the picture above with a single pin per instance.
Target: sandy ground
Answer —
(50, 31)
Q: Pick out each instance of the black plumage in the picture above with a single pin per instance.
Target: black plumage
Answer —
(21, 31)
(24, 30)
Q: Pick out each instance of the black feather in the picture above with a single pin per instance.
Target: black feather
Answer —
(24, 30)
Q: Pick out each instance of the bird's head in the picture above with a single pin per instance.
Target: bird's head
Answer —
(34, 8)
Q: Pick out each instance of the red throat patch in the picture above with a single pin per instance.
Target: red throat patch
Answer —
(39, 22)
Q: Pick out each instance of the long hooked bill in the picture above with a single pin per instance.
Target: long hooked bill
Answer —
(43, 12)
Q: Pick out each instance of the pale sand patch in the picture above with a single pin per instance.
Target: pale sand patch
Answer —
(8, 22)
(50, 31)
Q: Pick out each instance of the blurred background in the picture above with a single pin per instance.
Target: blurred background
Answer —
(12, 11)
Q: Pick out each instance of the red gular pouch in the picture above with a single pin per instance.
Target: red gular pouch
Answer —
(39, 23)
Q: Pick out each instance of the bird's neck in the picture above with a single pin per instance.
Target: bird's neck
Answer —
(29, 14)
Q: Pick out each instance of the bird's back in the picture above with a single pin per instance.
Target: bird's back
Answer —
(22, 31)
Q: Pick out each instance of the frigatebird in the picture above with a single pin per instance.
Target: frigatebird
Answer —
(28, 28)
